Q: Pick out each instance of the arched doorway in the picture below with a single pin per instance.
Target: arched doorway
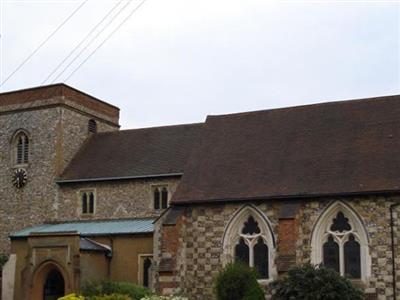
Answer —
(49, 282)
(53, 286)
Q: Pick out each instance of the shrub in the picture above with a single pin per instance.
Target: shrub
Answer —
(237, 282)
(3, 259)
(111, 297)
(155, 297)
(315, 283)
(135, 292)
(71, 297)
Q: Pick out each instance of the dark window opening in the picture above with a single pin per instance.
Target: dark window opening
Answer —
(261, 258)
(146, 272)
(54, 286)
(251, 226)
(242, 252)
(156, 198)
(92, 126)
(22, 149)
(352, 259)
(164, 198)
(91, 203)
(331, 254)
(340, 223)
(84, 203)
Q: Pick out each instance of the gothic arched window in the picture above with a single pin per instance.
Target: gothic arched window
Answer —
(249, 239)
(21, 147)
(340, 242)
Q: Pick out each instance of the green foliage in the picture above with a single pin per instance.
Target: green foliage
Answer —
(111, 297)
(71, 297)
(134, 292)
(315, 283)
(237, 282)
(155, 297)
(3, 259)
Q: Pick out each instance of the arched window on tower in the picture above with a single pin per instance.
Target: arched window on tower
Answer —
(21, 148)
(340, 242)
(249, 239)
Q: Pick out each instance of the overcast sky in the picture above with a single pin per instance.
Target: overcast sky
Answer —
(176, 61)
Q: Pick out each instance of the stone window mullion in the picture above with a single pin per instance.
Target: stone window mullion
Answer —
(251, 249)
(341, 256)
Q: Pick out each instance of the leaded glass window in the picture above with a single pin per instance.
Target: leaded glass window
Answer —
(331, 254)
(242, 252)
(341, 250)
(352, 263)
(251, 248)
(261, 258)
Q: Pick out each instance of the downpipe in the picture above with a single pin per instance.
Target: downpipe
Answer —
(394, 285)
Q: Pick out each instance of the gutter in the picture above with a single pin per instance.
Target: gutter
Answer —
(392, 207)
(286, 197)
(61, 181)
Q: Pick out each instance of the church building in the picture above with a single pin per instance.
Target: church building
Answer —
(168, 207)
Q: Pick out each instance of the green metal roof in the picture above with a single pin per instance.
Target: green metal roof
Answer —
(91, 228)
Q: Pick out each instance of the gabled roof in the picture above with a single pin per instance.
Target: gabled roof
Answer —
(337, 148)
(137, 153)
(91, 228)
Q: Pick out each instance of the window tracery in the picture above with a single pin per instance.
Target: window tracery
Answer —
(340, 242)
(249, 239)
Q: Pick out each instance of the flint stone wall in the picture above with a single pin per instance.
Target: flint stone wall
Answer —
(199, 257)
(56, 134)
(114, 199)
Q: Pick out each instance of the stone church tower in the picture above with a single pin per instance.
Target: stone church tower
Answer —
(41, 129)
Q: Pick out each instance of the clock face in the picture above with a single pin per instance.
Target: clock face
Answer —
(19, 178)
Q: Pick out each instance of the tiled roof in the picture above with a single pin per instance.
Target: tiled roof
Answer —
(91, 228)
(337, 148)
(137, 153)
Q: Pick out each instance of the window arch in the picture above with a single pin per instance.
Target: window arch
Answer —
(340, 241)
(21, 144)
(248, 238)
